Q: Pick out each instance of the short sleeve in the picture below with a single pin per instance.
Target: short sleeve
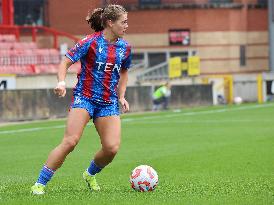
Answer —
(79, 50)
(127, 60)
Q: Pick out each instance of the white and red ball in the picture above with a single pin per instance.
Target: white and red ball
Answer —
(238, 100)
(143, 178)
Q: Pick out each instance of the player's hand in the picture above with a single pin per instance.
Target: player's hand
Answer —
(60, 89)
(124, 104)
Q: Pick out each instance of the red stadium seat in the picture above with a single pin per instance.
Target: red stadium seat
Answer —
(27, 58)
(26, 69)
(50, 68)
(7, 38)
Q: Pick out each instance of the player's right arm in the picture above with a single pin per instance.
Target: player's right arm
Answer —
(72, 56)
(60, 89)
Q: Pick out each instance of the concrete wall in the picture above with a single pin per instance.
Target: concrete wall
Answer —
(43, 81)
(246, 87)
(18, 105)
(191, 95)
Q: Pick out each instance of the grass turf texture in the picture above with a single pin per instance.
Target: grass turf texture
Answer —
(215, 155)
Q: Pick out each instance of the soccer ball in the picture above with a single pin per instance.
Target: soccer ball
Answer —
(143, 178)
(238, 100)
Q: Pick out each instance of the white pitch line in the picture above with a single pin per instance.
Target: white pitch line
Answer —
(200, 121)
(177, 114)
(145, 118)
(31, 129)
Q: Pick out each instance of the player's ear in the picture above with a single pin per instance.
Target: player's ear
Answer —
(110, 23)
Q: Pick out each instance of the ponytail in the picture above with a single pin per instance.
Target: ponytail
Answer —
(94, 18)
(98, 17)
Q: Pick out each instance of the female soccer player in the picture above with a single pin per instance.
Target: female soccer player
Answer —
(105, 58)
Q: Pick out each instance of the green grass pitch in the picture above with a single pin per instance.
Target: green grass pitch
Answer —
(212, 155)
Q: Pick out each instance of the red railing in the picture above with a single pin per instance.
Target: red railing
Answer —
(34, 31)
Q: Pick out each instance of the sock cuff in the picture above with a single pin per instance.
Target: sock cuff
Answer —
(97, 165)
(94, 168)
(45, 176)
(49, 169)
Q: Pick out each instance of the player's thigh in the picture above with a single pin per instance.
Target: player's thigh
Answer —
(76, 122)
(109, 130)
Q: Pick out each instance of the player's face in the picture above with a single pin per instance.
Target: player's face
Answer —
(120, 26)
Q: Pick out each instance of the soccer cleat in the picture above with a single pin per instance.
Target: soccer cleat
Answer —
(91, 181)
(38, 189)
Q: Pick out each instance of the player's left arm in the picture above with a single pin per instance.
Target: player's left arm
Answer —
(123, 79)
(122, 90)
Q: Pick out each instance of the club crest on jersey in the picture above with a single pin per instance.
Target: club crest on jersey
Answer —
(107, 67)
(77, 100)
(121, 53)
(100, 49)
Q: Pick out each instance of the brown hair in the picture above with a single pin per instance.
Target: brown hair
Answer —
(98, 17)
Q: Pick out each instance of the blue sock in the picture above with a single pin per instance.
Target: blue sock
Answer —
(93, 168)
(45, 175)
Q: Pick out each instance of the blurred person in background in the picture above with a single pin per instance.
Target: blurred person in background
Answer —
(105, 59)
(161, 97)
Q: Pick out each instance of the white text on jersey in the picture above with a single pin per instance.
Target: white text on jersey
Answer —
(108, 66)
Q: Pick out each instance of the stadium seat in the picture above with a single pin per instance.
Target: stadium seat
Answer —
(49, 68)
(24, 70)
(26, 57)
(7, 38)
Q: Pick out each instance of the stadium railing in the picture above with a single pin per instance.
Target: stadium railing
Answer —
(26, 58)
(157, 72)
(34, 31)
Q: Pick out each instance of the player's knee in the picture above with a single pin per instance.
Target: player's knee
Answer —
(111, 150)
(70, 144)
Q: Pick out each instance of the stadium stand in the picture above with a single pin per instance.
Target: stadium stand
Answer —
(25, 58)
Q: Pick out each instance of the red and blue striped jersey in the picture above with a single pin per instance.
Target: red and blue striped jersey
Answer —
(101, 63)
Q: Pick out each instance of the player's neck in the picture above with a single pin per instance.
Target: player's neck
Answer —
(109, 36)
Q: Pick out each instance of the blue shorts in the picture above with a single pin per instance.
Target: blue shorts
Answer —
(94, 108)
